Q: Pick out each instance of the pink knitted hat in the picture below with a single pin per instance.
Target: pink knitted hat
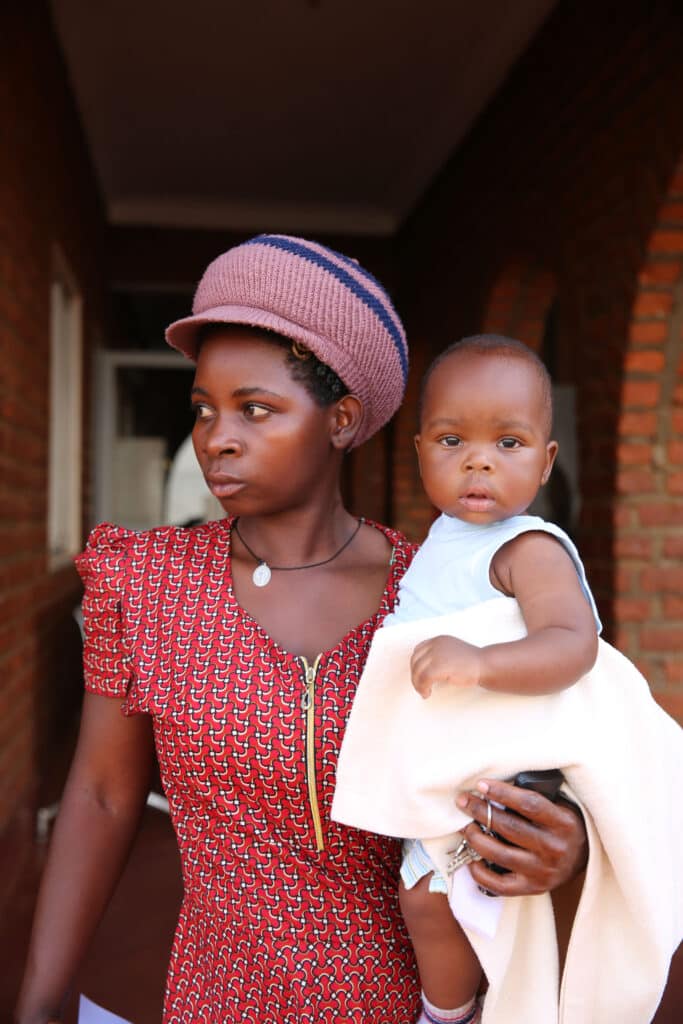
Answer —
(313, 295)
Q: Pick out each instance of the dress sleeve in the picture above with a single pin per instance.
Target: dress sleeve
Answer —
(103, 567)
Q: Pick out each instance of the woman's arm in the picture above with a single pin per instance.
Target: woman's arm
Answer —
(98, 818)
(550, 843)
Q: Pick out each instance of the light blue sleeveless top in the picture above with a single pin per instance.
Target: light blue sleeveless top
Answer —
(451, 570)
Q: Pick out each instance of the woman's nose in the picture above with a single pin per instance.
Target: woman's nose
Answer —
(222, 439)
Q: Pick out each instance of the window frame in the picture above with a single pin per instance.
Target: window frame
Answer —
(65, 416)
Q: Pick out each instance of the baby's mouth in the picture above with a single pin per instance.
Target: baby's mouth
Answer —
(477, 500)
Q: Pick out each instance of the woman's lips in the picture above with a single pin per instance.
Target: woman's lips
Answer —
(224, 487)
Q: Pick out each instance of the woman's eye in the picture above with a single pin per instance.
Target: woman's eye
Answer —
(450, 441)
(255, 412)
(509, 442)
(200, 411)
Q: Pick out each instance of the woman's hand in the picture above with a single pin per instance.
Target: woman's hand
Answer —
(36, 1018)
(550, 842)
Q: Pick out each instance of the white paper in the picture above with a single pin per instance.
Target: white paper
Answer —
(91, 1013)
(471, 907)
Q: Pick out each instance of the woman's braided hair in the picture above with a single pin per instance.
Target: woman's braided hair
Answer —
(319, 379)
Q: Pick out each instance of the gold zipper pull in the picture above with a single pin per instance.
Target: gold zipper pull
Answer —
(308, 691)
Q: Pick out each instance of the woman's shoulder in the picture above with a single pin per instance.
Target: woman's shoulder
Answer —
(393, 534)
(113, 549)
(403, 549)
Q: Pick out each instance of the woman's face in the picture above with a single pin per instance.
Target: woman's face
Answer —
(262, 442)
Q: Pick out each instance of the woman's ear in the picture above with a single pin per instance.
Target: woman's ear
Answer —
(347, 418)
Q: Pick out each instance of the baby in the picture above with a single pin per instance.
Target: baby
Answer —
(484, 450)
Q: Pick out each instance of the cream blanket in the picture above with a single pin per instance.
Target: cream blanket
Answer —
(403, 760)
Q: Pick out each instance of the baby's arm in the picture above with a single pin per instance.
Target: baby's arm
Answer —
(561, 642)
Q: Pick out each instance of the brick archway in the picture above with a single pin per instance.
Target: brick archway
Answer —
(648, 534)
(519, 303)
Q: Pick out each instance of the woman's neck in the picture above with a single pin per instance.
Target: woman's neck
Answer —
(299, 535)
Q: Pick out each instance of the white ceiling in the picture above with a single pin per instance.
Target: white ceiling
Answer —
(327, 115)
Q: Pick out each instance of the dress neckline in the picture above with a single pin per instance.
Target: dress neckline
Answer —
(390, 587)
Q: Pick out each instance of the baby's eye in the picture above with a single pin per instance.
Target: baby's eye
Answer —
(509, 442)
(450, 441)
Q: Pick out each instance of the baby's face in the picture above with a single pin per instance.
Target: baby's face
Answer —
(483, 444)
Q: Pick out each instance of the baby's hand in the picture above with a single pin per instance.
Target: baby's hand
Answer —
(444, 659)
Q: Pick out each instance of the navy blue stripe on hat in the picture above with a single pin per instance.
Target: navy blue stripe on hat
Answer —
(345, 278)
(360, 269)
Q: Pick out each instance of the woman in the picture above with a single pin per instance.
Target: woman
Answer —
(212, 637)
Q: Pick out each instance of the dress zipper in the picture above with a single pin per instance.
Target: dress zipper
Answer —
(308, 706)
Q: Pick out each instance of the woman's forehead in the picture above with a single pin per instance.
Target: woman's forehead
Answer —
(238, 353)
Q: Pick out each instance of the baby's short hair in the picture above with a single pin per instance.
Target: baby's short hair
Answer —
(497, 345)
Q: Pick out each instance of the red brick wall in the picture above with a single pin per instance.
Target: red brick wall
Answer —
(47, 195)
(519, 304)
(571, 172)
(649, 523)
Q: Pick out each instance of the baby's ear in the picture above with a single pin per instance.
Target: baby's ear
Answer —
(417, 441)
(551, 450)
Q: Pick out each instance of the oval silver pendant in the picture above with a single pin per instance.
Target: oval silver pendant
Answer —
(261, 575)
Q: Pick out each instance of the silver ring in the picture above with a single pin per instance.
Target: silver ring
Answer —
(489, 816)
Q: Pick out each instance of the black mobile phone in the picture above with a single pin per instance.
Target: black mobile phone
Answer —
(546, 782)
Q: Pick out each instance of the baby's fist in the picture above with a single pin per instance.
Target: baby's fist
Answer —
(444, 659)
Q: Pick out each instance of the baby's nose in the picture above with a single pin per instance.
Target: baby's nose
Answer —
(478, 459)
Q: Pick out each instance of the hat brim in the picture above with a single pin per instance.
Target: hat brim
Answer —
(183, 335)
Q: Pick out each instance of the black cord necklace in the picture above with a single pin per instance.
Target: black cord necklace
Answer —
(262, 573)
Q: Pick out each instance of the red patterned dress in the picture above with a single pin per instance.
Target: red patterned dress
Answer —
(287, 917)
